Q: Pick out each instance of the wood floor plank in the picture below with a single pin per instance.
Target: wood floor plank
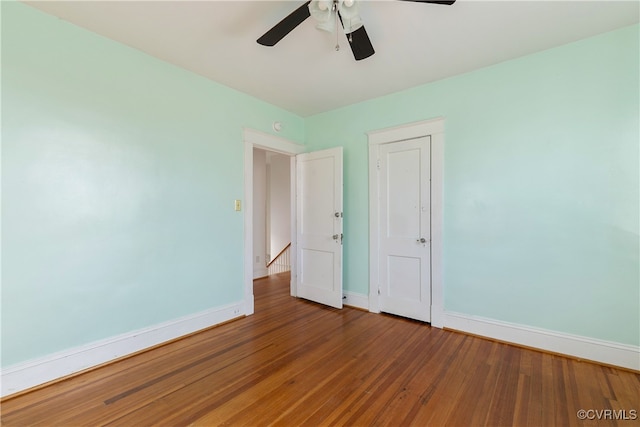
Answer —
(297, 363)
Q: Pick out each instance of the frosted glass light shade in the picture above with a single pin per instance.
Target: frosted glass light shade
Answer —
(323, 15)
(350, 13)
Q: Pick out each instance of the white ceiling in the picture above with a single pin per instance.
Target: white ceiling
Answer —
(415, 43)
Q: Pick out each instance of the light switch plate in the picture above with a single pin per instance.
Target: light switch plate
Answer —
(238, 205)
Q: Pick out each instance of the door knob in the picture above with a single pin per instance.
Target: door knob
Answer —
(421, 240)
(336, 236)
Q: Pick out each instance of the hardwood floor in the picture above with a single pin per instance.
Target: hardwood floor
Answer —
(298, 363)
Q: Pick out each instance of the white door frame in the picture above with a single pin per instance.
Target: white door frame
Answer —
(435, 129)
(255, 139)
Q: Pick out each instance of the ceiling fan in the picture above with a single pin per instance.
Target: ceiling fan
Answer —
(327, 14)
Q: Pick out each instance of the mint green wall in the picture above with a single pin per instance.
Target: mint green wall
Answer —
(541, 185)
(119, 173)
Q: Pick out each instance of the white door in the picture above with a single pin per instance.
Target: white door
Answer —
(405, 229)
(319, 226)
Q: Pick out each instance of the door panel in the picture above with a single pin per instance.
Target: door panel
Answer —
(404, 259)
(403, 273)
(403, 167)
(319, 229)
(317, 193)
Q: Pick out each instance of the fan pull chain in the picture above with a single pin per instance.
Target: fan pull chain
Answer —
(335, 8)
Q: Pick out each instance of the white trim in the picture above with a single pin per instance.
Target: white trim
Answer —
(248, 226)
(356, 300)
(38, 371)
(293, 256)
(611, 353)
(271, 142)
(406, 131)
(435, 129)
(256, 139)
(374, 221)
(260, 273)
(437, 223)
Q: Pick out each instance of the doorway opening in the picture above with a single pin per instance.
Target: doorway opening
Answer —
(271, 213)
(262, 143)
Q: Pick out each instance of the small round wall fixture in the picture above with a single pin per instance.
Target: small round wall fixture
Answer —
(277, 126)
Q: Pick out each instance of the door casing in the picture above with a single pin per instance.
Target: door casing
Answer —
(255, 139)
(435, 129)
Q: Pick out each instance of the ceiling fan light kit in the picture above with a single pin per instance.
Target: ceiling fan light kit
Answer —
(323, 14)
(327, 14)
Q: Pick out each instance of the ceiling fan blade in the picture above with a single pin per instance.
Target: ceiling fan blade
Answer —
(447, 2)
(284, 27)
(360, 44)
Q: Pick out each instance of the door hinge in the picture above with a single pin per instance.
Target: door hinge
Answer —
(378, 291)
(378, 163)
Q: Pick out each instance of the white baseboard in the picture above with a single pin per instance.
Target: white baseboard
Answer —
(356, 300)
(437, 316)
(34, 372)
(611, 353)
(259, 273)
